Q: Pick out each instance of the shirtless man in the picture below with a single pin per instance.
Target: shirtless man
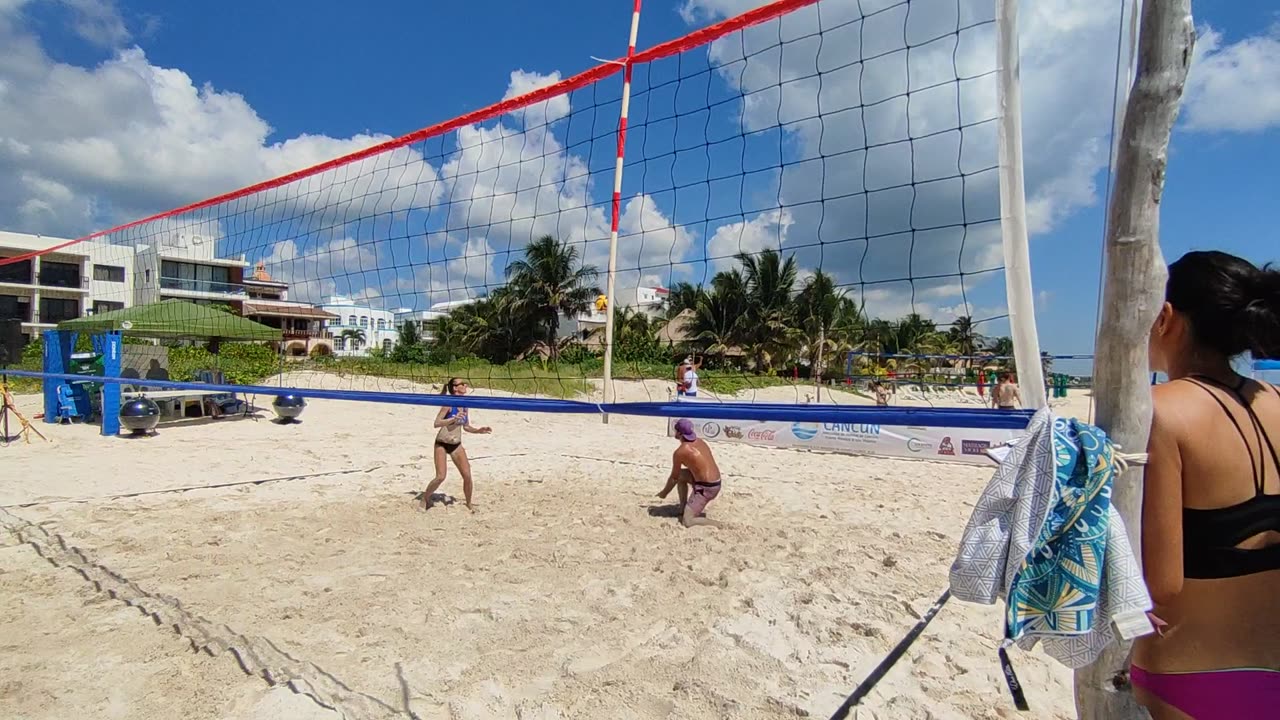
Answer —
(692, 464)
(1005, 395)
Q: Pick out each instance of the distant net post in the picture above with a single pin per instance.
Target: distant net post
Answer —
(1013, 212)
(1134, 283)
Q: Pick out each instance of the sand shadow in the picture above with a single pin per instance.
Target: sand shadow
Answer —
(673, 510)
(436, 498)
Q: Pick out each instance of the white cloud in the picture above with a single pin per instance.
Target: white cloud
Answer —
(768, 230)
(99, 22)
(510, 185)
(547, 111)
(1234, 87)
(860, 213)
(85, 148)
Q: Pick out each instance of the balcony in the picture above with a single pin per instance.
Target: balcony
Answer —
(208, 289)
(59, 281)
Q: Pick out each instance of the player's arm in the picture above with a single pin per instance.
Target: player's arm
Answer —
(674, 477)
(440, 418)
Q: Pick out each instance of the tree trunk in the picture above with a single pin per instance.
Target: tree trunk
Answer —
(1134, 290)
(817, 364)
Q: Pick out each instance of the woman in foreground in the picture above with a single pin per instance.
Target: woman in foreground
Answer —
(451, 423)
(1211, 502)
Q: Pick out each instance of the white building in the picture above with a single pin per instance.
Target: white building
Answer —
(42, 291)
(378, 327)
(184, 266)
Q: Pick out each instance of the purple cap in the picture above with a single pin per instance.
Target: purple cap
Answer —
(684, 430)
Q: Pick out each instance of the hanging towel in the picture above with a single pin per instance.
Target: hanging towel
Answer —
(1045, 538)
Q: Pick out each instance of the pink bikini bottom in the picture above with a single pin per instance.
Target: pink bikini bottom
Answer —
(1234, 694)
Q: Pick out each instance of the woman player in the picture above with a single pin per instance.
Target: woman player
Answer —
(452, 421)
(1211, 500)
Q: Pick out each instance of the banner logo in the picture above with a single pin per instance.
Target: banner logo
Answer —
(945, 447)
(804, 431)
(710, 429)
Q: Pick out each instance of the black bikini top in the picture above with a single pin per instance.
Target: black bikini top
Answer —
(1209, 537)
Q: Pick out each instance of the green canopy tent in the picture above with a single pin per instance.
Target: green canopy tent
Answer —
(175, 319)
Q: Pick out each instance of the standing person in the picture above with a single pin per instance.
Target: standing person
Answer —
(690, 376)
(881, 392)
(693, 465)
(680, 370)
(452, 422)
(1005, 395)
(1211, 498)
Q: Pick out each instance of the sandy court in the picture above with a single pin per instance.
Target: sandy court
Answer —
(573, 593)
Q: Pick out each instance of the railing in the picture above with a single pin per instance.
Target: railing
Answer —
(48, 280)
(201, 286)
(300, 334)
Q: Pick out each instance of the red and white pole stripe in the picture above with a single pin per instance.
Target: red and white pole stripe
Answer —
(617, 207)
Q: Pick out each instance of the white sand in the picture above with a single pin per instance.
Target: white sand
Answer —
(573, 593)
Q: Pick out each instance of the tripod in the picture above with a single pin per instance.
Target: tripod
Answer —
(9, 407)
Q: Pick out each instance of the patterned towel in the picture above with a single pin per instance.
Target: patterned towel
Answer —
(1045, 536)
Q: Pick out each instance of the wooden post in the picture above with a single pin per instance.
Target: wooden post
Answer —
(1133, 292)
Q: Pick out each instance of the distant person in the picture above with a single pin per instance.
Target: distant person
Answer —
(881, 391)
(1211, 500)
(687, 384)
(451, 423)
(1005, 395)
(695, 472)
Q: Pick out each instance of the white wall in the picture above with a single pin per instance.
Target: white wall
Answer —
(346, 309)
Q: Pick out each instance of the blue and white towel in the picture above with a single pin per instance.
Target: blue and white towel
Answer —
(1045, 537)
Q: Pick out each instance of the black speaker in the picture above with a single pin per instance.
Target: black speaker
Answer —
(11, 342)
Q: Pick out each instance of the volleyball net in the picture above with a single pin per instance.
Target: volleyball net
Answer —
(788, 186)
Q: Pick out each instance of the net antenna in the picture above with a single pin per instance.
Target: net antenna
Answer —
(616, 211)
(1013, 211)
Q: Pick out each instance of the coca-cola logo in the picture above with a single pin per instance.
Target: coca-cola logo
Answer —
(945, 447)
(769, 435)
(974, 447)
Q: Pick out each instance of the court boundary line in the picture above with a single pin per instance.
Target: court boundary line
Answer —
(256, 657)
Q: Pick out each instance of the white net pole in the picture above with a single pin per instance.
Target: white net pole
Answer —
(1013, 211)
(617, 205)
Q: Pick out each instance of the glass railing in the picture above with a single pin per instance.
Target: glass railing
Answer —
(58, 280)
(201, 286)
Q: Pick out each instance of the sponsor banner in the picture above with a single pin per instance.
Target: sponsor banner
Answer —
(947, 444)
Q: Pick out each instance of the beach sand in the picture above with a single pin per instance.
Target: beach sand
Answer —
(572, 593)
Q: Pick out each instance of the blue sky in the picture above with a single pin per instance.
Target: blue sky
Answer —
(317, 79)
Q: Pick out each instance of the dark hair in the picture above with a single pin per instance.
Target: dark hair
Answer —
(1232, 305)
(449, 386)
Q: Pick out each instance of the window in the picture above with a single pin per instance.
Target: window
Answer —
(196, 278)
(101, 306)
(351, 320)
(18, 273)
(382, 324)
(59, 274)
(108, 273)
(55, 310)
(339, 343)
(15, 307)
(364, 321)
(386, 346)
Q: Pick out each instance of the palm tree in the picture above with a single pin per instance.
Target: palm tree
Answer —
(966, 339)
(682, 296)
(1002, 347)
(770, 281)
(817, 308)
(355, 336)
(549, 281)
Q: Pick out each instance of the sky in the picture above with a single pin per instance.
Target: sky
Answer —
(111, 111)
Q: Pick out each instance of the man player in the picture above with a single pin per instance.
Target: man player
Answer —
(692, 464)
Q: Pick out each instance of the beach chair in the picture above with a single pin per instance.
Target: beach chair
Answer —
(228, 403)
(67, 410)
